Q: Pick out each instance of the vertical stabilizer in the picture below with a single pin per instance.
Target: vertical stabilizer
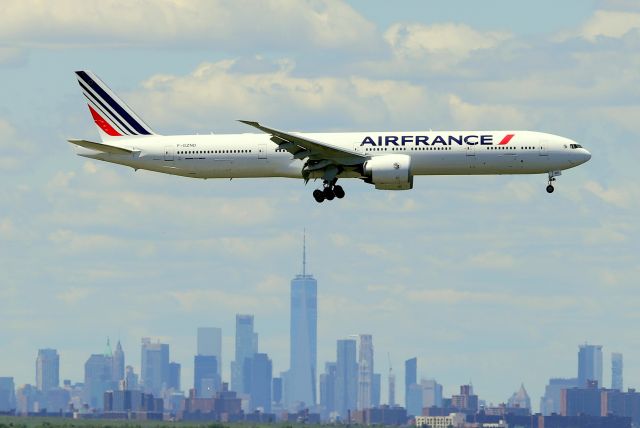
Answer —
(113, 117)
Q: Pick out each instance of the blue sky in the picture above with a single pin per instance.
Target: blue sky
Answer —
(487, 279)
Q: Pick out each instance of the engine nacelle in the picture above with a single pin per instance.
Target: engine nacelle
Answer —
(389, 172)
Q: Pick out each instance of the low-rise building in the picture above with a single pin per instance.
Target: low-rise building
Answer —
(381, 415)
(455, 420)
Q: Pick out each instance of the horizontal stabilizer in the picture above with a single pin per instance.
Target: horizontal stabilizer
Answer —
(101, 147)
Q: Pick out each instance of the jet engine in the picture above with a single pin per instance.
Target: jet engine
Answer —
(389, 172)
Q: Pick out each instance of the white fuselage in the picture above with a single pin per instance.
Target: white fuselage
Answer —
(432, 153)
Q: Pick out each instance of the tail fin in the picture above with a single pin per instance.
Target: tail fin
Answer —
(112, 116)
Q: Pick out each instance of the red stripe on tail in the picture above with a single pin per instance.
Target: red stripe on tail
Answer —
(103, 124)
(506, 139)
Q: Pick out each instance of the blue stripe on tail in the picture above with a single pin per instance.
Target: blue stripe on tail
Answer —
(116, 107)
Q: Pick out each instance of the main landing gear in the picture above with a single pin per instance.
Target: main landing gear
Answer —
(330, 191)
(552, 178)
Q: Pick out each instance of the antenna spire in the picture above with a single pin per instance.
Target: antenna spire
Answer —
(304, 252)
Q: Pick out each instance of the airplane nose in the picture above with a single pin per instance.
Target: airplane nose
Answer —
(587, 155)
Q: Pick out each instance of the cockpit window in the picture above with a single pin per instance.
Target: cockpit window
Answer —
(575, 146)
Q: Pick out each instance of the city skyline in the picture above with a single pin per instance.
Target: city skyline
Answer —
(346, 372)
(90, 251)
(356, 349)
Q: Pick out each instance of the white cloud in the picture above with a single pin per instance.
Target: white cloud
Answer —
(91, 203)
(11, 55)
(625, 116)
(273, 284)
(193, 300)
(451, 296)
(483, 116)
(7, 134)
(7, 229)
(165, 23)
(217, 90)
(13, 145)
(458, 40)
(622, 197)
(67, 240)
(90, 167)
(493, 260)
(610, 23)
(439, 45)
(74, 295)
(61, 180)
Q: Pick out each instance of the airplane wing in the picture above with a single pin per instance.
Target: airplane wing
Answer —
(101, 147)
(317, 152)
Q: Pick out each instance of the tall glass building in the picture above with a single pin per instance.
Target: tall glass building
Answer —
(590, 364)
(118, 363)
(304, 337)
(346, 377)
(210, 343)
(246, 347)
(410, 378)
(154, 366)
(365, 372)
(616, 371)
(47, 369)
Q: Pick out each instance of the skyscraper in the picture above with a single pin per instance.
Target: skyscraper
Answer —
(98, 372)
(7, 394)
(365, 372)
(414, 400)
(47, 369)
(276, 390)
(410, 377)
(392, 388)
(246, 347)
(131, 379)
(376, 389)
(346, 378)
(174, 376)
(206, 379)
(210, 343)
(616, 371)
(520, 399)
(431, 393)
(257, 377)
(118, 363)
(303, 337)
(154, 367)
(467, 400)
(550, 402)
(328, 390)
(590, 364)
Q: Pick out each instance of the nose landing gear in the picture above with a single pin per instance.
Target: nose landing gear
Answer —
(552, 178)
(330, 191)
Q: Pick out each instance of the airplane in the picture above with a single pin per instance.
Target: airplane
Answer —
(387, 160)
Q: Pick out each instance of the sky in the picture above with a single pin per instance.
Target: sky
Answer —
(488, 280)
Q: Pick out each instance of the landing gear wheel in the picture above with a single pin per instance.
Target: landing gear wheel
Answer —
(318, 195)
(328, 193)
(550, 188)
(338, 191)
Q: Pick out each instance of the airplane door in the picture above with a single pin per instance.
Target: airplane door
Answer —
(543, 150)
(262, 151)
(470, 152)
(168, 153)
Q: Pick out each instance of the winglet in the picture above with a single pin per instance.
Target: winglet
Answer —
(250, 123)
